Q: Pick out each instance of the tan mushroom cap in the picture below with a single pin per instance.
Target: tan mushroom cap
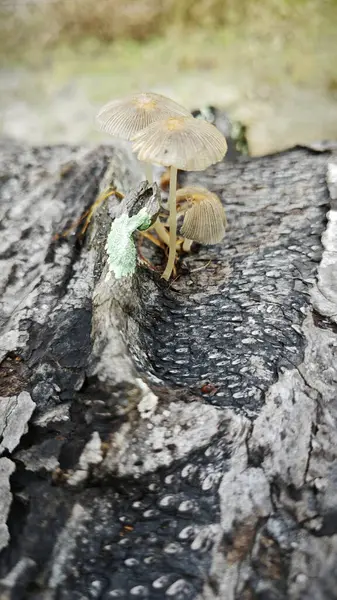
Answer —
(183, 142)
(205, 218)
(125, 117)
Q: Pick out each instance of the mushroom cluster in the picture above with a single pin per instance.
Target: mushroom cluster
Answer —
(165, 133)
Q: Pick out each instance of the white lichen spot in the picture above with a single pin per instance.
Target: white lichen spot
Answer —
(148, 514)
(178, 587)
(153, 487)
(301, 578)
(148, 404)
(214, 355)
(96, 585)
(204, 539)
(123, 542)
(188, 470)
(139, 590)
(187, 533)
(173, 548)
(167, 501)
(186, 506)
(209, 481)
(131, 562)
(209, 450)
(161, 582)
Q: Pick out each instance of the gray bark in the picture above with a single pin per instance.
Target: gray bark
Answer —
(122, 475)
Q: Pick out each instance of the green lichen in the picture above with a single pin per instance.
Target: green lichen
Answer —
(120, 246)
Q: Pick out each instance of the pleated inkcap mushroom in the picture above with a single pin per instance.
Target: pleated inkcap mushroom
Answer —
(204, 216)
(126, 117)
(182, 143)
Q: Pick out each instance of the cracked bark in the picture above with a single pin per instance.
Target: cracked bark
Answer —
(133, 479)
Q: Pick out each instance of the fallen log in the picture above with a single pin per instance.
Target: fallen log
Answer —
(169, 440)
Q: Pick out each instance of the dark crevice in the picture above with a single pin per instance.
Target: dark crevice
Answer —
(14, 375)
(323, 322)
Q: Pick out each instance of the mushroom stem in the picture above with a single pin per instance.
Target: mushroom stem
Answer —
(172, 203)
(187, 245)
(161, 232)
(148, 172)
(158, 226)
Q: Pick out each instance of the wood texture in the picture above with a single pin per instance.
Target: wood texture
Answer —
(183, 441)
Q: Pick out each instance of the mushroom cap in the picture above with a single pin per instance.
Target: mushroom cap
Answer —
(183, 142)
(125, 117)
(205, 217)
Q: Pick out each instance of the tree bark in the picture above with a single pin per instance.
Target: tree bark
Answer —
(169, 440)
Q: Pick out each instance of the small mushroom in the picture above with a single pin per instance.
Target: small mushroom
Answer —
(125, 117)
(182, 143)
(205, 217)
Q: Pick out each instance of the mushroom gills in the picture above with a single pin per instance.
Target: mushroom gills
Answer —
(205, 218)
(183, 142)
(125, 117)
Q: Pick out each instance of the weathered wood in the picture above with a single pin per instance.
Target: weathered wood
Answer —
(134, 478)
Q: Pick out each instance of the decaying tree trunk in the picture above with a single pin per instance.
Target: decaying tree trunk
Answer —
(169, 441)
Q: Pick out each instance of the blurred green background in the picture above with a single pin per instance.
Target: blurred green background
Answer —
(270, 63)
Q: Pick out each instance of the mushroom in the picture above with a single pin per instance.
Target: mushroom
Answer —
(205, 217)
(126, 117)
(182, 143)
